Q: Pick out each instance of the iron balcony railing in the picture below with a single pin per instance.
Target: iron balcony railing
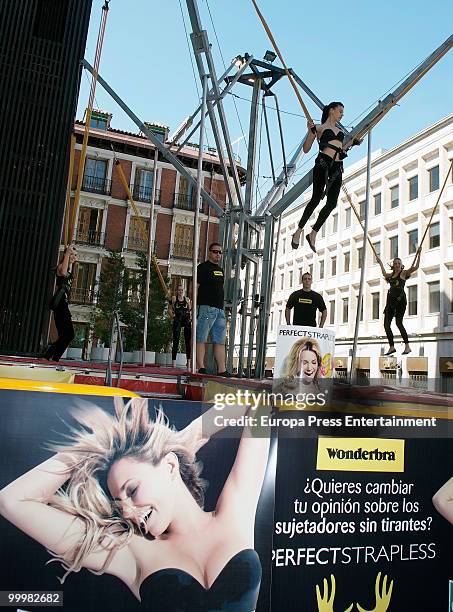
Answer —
(96, 184)
(137, 243)
(185, 201)
(82, 296)
(143, 194)
(90, 237)
(179, 250)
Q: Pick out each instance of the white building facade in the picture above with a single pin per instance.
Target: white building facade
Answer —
(406, 182)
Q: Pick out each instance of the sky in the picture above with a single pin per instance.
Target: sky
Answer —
(354, 51)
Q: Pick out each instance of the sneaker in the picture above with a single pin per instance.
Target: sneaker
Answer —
(202, 371)
(225, 374)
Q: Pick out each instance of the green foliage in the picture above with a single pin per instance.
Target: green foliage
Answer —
(123, 290)
(109, 297)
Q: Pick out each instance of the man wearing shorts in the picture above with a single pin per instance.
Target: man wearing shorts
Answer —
(210, 313)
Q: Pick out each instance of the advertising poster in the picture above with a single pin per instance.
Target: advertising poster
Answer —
(157, 513)
(356, 527)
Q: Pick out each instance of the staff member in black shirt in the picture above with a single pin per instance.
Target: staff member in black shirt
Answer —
(210, 313)
(305, 303)
(179, 310)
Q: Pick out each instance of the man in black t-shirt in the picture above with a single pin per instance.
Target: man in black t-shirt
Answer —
(305, 303)
(210, 313)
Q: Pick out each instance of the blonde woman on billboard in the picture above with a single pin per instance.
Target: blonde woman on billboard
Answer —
(125, 496)
(304, 361)
(443, 500)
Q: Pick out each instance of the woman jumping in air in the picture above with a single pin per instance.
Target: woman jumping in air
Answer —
(396, 299)
(328, 169)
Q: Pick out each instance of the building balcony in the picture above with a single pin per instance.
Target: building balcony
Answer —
(90, 238)
(84, 297)
(182, 251)
(95, 184)
(137, 244)
(184, 201)
(143, 194)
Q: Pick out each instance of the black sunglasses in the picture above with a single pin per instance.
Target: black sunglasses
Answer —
(216, 251)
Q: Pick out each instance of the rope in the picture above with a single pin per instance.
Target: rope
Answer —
(434, 210)
(277, 51)
(97, 60)
(358, 218)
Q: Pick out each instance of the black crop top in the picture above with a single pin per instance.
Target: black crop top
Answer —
(235, 588)
(396, 289)
(329, 135)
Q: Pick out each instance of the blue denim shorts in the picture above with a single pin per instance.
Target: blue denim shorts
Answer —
(212, 320)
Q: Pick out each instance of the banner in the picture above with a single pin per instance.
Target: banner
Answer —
(304, 352)
(355, 524)
(144, 509)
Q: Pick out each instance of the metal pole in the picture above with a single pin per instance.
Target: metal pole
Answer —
(265, 298)
(196, 234)
(150, 254)
(245, 309)
(252, 323)
(268, 137)
(248, 202)
(362, 271)
(235, 292)
(280, 129)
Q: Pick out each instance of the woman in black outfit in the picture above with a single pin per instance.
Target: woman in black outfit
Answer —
(60, 307)
(328, 169)
(179, 311)
(396, 299)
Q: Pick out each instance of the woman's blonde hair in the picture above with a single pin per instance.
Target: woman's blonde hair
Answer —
(93, 449)
(293, 359)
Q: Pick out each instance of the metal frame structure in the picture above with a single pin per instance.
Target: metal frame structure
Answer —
(254, 247)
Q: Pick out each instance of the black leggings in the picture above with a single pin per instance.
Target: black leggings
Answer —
(397, 310)
(187, 326)
(63, 323)
(326, 172)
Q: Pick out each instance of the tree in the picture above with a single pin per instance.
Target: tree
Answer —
(132, 314)
(109, 298)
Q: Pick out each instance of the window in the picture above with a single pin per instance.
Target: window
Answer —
(413, 240)
(334, 223)
(98, 122)
(321, 269)
(280, 313)
(375, 306)
(284, 245)
(345, 310)
(138, 234)
(144, 185)
(412, 299)
(347, 261)
(310, 269)
(434, 236)
(394, 196)
(282, 281)
(433, 178)
(331, 312)
(301, 271)
(132, 286)
(185, 199)
(413, 187)
(89, 226)
(434, 296)
(377, 204)
(291, 274)
(347, 222)
(393, 247)
(362, 209)
(377, 248)
(82, 291)
(271, 321)
(94, 176)
(333, 266)
(359, 257)
(323, 231)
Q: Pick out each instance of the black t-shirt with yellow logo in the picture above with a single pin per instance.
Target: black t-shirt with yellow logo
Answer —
(210, 279)
(305, 304)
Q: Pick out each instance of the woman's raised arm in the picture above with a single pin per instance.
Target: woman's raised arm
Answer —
(55, 529)
(443, 500)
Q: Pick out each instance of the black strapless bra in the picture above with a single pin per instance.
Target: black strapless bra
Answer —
(329, 135)
(236, 588)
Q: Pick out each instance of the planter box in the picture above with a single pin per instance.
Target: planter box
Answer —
(74, 353)
(99, 353)
(181, 360)
(163, 359)
(127, 357)
(150, 357)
